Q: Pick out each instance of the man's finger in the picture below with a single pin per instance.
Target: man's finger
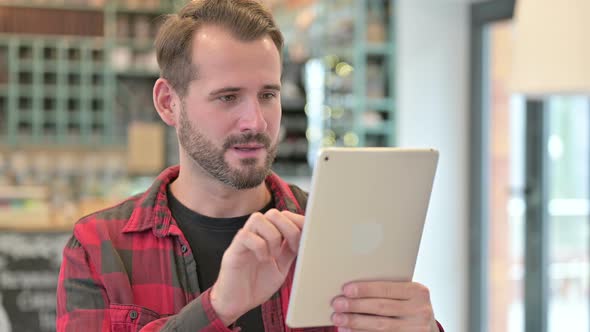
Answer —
(366, 322)
(385, 289)
(260, 225)
(249, 241)
(380, 307)
(290, 231)
(285, 259)
(294, 217)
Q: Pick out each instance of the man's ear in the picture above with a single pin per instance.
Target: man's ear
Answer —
(166, 101)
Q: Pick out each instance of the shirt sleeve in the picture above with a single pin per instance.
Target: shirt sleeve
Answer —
(83, 303)
(198, 315)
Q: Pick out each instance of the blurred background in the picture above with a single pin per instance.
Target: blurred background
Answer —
(499, 87)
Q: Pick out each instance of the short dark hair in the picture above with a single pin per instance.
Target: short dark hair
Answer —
(245, 19)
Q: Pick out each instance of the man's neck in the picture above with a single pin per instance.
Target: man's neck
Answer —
(210, 197)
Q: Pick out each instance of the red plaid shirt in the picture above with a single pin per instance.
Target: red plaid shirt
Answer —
(130, 268)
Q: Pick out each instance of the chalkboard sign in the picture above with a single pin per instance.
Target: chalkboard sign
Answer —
(29, 268)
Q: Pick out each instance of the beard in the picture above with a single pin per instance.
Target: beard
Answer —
(212, 159)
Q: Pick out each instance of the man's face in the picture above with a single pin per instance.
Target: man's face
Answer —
(230, 118)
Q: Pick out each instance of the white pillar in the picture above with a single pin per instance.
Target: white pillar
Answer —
(432, 99)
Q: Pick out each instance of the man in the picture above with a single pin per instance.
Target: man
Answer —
(210, 245)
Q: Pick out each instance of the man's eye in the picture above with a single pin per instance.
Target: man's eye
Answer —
(228, 98)
(268, 95)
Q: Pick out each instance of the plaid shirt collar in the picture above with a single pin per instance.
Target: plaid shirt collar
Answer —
(155, 214)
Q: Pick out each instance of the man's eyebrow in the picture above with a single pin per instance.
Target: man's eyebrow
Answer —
(276, 87)
(225, 90)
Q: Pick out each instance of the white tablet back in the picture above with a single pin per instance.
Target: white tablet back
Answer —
(364, 221)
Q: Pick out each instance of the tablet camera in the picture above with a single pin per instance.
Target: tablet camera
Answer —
(326, 158)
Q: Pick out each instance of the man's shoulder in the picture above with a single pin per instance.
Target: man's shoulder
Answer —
(147, 201)
(115, 216)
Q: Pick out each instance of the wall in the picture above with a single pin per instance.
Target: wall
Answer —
(432, 95)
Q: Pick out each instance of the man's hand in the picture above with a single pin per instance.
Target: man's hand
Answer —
(384, 306)
(256, 263)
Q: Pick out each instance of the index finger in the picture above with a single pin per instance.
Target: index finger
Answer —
(294, 217)
(380, 289)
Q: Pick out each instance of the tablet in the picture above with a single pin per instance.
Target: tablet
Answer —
(364, 221)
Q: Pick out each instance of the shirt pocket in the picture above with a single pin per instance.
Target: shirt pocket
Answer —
(130, 318)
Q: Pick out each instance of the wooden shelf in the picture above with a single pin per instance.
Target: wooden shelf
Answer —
(23, 192)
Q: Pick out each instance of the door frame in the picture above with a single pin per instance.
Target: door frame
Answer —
(481, 14)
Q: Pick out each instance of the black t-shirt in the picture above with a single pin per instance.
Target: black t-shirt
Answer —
(209, 238)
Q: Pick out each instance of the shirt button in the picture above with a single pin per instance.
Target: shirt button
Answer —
(183, 248)
(133, 314)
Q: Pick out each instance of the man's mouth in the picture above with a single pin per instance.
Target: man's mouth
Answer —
(248, 147)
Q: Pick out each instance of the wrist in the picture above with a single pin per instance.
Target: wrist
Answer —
(221, 309)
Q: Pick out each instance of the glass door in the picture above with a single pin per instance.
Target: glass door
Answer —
(568, 150)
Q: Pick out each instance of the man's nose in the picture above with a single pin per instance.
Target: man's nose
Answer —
(253, 118)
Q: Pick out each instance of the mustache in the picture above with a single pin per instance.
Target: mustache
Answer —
(247, 138)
